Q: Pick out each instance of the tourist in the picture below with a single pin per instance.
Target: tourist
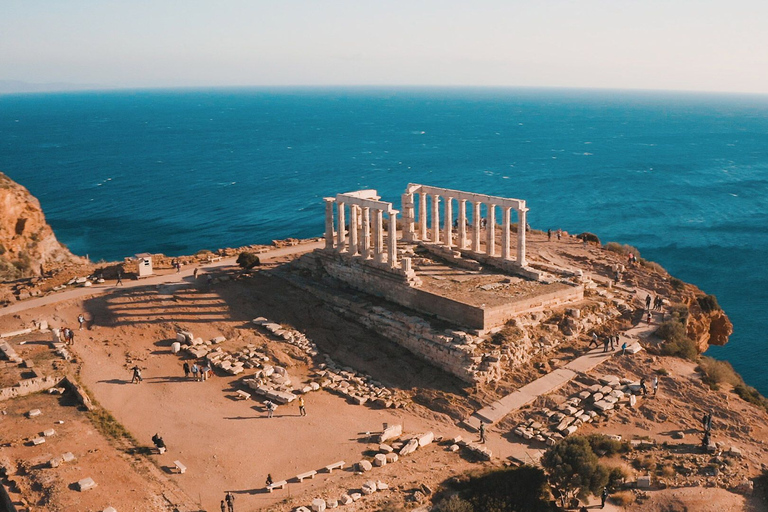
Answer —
(270, 408)
(482, 432)
(81, 320)
(642, 386)
(559, 234)
(648, 302)
(302, 410)
(230, 501)
(186, 369)
(223, 506)
(269, 479)
(159, 443)
(595, 341)
(655, 384)
(136, 375)
(623, 348)
(178, 266)
(649, 317)
(194, 273)
(603, 497)
(616, 339)
(605, 344)
(195, 371)
(119, 279)
(549, 235)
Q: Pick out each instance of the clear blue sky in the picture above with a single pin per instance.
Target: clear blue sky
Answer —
(640, 44)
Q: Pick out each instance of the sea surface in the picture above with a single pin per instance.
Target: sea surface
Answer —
(682, 177)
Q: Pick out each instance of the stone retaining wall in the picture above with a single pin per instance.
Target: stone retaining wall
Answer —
(28, 386)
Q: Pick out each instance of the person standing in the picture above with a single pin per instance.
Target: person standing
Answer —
(136, 375)
(270, 408)
(186, 369)
(81, 320)
(605, 344)
(648, 302)
(195, 371)
(194, 273)
(482, 432)
(642, 386)
(655, 384)
(119, 279)
(603, 497)
(223, 506)
(230, 501)
(302, 410)
(595, 341)
(549, 235)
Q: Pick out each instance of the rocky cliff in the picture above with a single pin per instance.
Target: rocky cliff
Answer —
(28, 246)
(706, 326)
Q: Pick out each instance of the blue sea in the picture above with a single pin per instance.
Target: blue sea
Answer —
(683, 177)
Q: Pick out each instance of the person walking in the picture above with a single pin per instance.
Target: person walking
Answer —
(81, 320)
(603, 497)
(119, 279)
(136, 375)
(230, 501)
(605, 344)
(595, 341)
(186, 369)
(623, 348)
(655, 384)
(302, 410)
(223, 506)
(642, 386)
(195, 371)
(482, 432)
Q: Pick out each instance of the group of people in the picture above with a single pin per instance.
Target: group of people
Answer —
(608, 342)
(137, 378)
(228, 503)
(68, 336)
(654, 384)
(558, 233)
(199, 373)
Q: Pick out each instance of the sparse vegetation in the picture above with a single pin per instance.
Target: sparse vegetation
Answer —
(652, 265)
(623, 498)
(605, 446)
(676, 342)
(716, 372)
(622, 249)
(574, 469)
(589, 237)
(676, 284)
(521, 489)
(708, 303)
(248, 260)
(751, 395)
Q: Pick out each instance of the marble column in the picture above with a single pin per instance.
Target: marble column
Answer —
(448, 222)
(462, 223)
(329, 222)
(491, 230)
(392, 239)
(409, 213)
(505, 232)
(353, 210)
(522, 225)
(378, 236)
(422, 216)
(366, 232)
(435, 218)
(341, 234)
(476, 226)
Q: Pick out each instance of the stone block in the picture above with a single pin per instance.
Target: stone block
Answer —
(381, 486)
(368, 487)
(34, 412)
(55, 462)
(644, 482)
(38, 440)
(453, 448)
(380, 460)
(345, 499)
(425, 439)
(570, 430)
(391, 457)
(318, 505)
(391, 432)
(109, 509)
(86, 484)
(411, 447)
(68, 457)
(385, 448)
(332, 503)
(49, 432)
(355, 496)
(364, 466)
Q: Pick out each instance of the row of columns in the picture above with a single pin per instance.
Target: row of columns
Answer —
(365, 222)
(434, 234)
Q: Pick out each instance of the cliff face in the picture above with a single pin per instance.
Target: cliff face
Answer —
(27, 242)
(706, 327)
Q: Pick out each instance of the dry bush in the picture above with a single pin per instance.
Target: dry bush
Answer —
(717, 372)
(623, 498)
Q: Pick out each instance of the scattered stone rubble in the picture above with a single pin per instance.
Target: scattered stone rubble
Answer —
(549, 426)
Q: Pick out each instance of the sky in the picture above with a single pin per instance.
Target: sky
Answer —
(698, 45)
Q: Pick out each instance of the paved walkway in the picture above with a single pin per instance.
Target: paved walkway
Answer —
(173, 277)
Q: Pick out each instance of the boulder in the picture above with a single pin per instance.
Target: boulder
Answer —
(425, 439)
(380, 460)
(368, 487)
(391, 432)
(411, 447)
(385, 448)
(345, 499)
(364, 466)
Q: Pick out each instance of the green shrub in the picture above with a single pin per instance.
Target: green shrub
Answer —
(605, 445)
(622, 249)
(589, 237)
(662, 371)
(574, 469)
(751, 395)
(676, 342)
(248, 260)
(677, 284)
(652, 265)
(708, 303)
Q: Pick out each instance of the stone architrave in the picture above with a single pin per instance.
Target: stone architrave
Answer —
(490, 247)
(522, 227)
(435, 218)
(462, 223)
(341, 236)
(505, 232)
(476, 226)
(366, 232)
(448, 222)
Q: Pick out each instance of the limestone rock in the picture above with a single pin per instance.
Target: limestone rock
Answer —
(364, 466)
(318, 505)
(411, 447)
(380, 460)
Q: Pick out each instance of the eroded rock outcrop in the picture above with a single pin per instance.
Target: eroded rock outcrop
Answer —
(27, 243)
(707, 327)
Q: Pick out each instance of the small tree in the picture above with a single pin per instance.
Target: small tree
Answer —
(248, 260)
(574, 469)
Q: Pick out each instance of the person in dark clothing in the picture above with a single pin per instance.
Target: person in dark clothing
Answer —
(603, 497)
(119, 279)
(159, 443)
(186, 369)
(230, 498)
(643, 387)
(269, 479)
(482, 432)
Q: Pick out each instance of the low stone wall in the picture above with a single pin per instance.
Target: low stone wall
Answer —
(79, 392)
(28, 386)
(500, 315)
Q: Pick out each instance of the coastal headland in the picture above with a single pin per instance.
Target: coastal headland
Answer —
(399, 340)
